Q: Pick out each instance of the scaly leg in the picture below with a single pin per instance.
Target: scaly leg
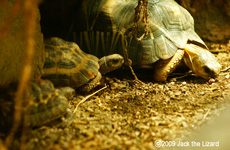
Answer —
(164, 67)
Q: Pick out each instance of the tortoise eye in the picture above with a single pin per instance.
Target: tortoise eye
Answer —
(115, 61)
(210, 72)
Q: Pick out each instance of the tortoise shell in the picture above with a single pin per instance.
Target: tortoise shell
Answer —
(107, 24)
(67, 65)
(45, 104)
(48, 103)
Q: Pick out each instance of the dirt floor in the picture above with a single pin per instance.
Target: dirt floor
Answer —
(134, 115)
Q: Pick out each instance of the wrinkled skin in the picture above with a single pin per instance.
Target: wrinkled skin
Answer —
(110, 63)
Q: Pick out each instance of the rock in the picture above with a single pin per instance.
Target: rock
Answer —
(13, 44)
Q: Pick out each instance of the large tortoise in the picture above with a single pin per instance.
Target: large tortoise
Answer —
(104, 26)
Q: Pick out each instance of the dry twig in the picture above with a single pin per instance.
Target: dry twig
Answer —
(88, 96)
(141, 9)
(206, 114)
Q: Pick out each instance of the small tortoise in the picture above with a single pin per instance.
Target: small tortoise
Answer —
(48, 103)
(67, 65)
(42, 104)
(106, 28)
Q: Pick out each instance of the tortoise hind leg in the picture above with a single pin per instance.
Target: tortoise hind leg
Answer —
(164, 67)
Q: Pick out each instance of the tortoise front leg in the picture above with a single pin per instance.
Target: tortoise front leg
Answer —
(164, 67)
(91, 84)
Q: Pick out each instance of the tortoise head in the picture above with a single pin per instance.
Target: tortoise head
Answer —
(201, 61)
(110, 63)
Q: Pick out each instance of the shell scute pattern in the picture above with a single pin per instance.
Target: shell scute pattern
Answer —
(66, 64)
(70, 66)
(49, 48)
(61, 79)
(80, 78)
(176, 23)
(65, 49)
(173, 19)
(48, 103)
(77, 58)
